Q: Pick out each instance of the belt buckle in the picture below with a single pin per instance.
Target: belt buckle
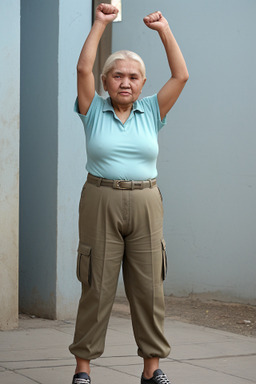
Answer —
(138, 184)
(116, 184)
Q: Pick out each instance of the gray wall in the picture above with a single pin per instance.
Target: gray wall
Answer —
(9, 161)
(207, 156)
(208, 152)
(38, 156)
(52, 155)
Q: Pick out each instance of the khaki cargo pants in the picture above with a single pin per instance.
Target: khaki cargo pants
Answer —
(120, 227)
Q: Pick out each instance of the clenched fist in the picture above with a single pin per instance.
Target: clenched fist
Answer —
(155, 21)
(106, 13)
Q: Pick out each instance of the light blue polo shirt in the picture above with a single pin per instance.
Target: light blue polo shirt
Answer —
(122, 151)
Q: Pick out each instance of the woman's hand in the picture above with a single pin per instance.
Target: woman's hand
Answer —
(106, 13)
(155, 21)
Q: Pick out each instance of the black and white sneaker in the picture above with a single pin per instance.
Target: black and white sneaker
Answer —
(158, 378)
(81, 378)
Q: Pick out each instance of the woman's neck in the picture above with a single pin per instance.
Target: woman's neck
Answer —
(122, 111)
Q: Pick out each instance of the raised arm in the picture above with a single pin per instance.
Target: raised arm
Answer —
(105, 14)
(170, 92)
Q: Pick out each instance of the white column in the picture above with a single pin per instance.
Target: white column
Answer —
(74, 25)
(9, 160)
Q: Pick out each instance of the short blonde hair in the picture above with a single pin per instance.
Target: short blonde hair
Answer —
(123, 55)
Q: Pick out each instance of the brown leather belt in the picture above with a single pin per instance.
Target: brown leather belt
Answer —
(121, 184)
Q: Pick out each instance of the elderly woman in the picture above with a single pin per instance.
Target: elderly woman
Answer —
(121, 211)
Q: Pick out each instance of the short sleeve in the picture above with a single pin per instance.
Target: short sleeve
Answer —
(94, 108)
(152, 103)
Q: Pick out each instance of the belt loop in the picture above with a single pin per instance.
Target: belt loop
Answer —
(150, 183)
(99, 180)
(132, 185)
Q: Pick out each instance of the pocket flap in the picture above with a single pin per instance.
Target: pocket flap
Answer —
(83, 270)
(84, 249)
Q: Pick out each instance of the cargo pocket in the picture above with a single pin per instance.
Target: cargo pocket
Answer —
(164, 259)
(83, 270)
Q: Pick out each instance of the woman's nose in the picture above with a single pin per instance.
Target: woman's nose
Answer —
(125, 82)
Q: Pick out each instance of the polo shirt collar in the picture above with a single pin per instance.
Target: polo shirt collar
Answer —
(137, 106)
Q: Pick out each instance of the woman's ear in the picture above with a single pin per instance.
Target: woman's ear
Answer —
(104, 82)
(143, 83)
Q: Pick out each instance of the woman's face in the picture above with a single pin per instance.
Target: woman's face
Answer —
(124, 82)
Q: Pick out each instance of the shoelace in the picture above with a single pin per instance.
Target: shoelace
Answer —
(82, 381)
(162, 379)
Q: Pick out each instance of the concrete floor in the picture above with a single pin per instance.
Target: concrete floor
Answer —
(37, 352)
